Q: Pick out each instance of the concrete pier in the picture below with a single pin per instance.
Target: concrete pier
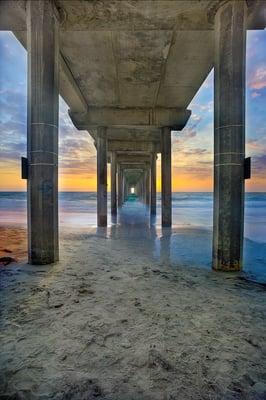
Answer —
(229, 135)
(153, 184)
(42, 132)
(147, 185)
(166, 176)
(113, 184)
(136, 77)
(120, 186)
(101, 177)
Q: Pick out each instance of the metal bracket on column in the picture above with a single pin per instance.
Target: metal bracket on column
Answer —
(247, 168)
(24, 168)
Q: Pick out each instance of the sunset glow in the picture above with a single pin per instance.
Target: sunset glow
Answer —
(192, 149)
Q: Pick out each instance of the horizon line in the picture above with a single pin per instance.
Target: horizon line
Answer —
(95, 191)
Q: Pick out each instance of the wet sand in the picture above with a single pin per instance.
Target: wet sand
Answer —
(117, 318)
(13, 242)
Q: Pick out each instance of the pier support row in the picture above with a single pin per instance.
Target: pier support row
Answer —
(145, 188)
(229, 139)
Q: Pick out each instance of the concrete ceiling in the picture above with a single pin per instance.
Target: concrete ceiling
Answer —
(137, 53)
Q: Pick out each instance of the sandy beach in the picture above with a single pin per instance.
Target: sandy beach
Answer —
(116, 318)
(13, 241)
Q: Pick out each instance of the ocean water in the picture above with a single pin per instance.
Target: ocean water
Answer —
(190, 210)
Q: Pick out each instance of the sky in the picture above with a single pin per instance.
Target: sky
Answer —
(192, 148)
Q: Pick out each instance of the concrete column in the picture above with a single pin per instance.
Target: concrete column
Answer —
(113, 185)
(147, 186)
(138, 190)
(125, 190)
(120, 186)
(42, 132)
(144, 187)
(143, 192)
(101, 177)
(153, 184)
(229, 136)
(166, 176)
(123, 186)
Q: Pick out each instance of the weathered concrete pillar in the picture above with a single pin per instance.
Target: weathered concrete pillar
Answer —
(143, 187)
(101, 177)
(42, 132)
(113, 185)
(229, 136)
(138, 190)
(123, 186)
(147, 186)
(153, 184)
(166, 177)
(120, 186)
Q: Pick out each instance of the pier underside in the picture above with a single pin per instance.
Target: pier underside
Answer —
(128, 71)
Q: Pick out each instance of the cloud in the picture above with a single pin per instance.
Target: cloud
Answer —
(12, 118)
(193, 152)
(256, 146)
(77, 153)
(257, 79)
(192, 147)
(208, 107)
(255, 94)
(188, 132)
(258, 165)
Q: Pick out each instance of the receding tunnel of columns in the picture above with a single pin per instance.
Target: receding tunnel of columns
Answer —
(129, 114)
(135, 169)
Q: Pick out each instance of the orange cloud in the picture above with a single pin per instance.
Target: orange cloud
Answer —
(258, 80)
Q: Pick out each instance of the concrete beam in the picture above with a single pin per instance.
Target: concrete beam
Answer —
(131, 146)
(103, 17)
(256, 14)
(127, 166)
(133, 117)
(13, 16)
(136, 134)
(128, 158)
